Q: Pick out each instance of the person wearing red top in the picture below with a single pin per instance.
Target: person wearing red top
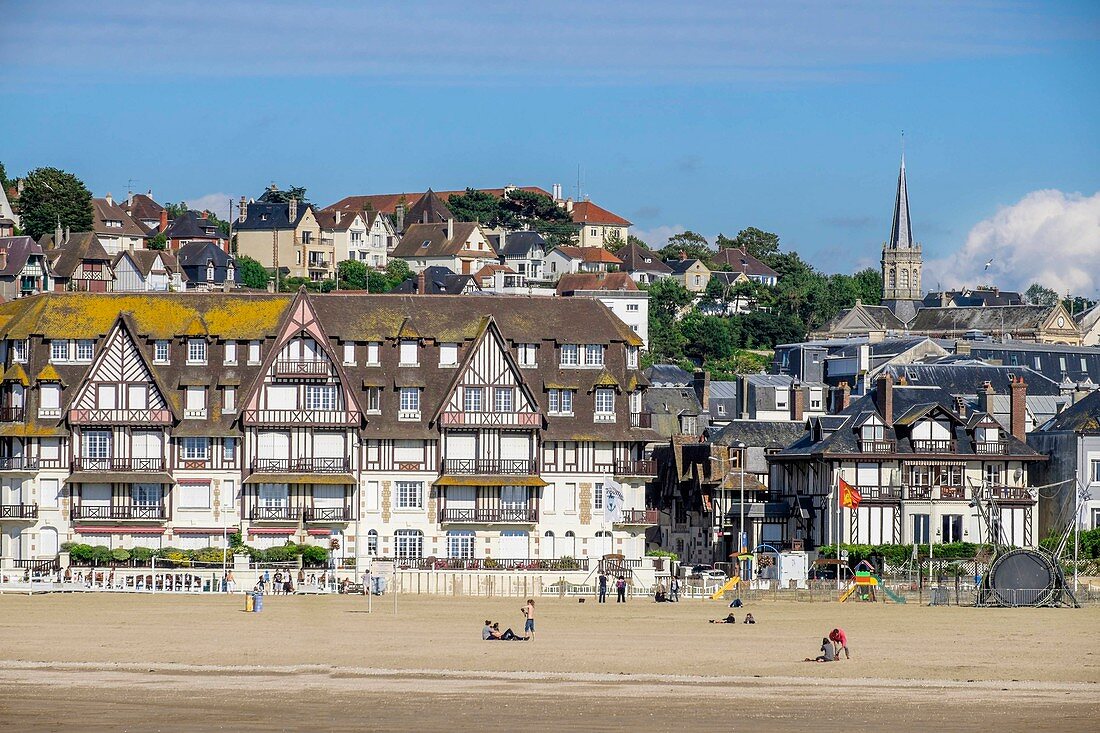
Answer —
(840, 642)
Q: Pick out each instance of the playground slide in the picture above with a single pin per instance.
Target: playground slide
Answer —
(728, 586)
(847, 593)
(889, 593)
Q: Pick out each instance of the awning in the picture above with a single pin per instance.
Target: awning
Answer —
(109, 477)
(376, 381)
(202, 530)
(195, 380)
(302, 478)
(318, 532)
(118, 530)
(933, 462)
(229, 380)
(413, 379)
(490, 481)
(273, 530)
(767, 510)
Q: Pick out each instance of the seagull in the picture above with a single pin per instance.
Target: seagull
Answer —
(989, 263)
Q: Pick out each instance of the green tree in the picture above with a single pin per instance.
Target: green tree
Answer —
(276, 196)
(756, 242)
(667, 298)
(1038, 294)
(398, 271)
(690, 244)
(175, 210)
(159, 242)
(761, 330)
(709, 337)
(353, 275)
(614, 243)
(631, 239)
(474, 205)
(869, 285)
(50, 195)
(5, 183)
(252, 274)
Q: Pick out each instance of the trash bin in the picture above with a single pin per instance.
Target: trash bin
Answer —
(257, 602)
(248, 602)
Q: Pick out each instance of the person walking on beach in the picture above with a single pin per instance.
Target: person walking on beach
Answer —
(267, 580)
(529, 624)
(620, 590)
(674, 589)
(602, 584)
(278, 582)
(840, 643)
(230, 582)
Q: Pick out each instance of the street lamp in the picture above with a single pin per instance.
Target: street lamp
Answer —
(740, 446)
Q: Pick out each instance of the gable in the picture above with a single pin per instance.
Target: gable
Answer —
(120, 365)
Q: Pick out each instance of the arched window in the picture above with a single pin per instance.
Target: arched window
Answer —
(905, 278)
(892, 279)
(372, 542)
(408, 543)
(460, 544)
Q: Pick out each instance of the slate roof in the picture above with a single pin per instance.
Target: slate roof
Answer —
(518, 244)
(430, 240)
(103, 211)
(141, 206)
(80, 247)
(639, 259)
(277, 216)
(668, 374)
(145, 259)
(1082, 417)
(739, 260)
(901, 230)
(992, 319)
(438, 280)
(975, 297)
(428, 209)
(19, 250)
(865, 317)
(193, 259)
(574, 281)
(671, 401)
(760, 433)
(679, 267)
(189, 225)
(586, 212)
(967, 378)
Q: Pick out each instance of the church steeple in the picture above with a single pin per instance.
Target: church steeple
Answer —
(901, 232)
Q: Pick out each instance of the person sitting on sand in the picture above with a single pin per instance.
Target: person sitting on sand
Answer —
(659, 595)
(727, 620)
(749, 619)
(487, 633)
(508, 635)
(827, 653)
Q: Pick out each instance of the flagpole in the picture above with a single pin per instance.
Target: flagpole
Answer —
(836, 480)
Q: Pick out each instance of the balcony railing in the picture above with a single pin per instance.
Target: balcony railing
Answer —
(878, 446)
(118, 511)
(939, 445)
(638, 516)
(995, 448)
(119, 464)
(300, 417)
(301, 465)
(1011, 493)
(489, 563)
(489, 419)
(641, 420)
(489, 466)
(274, 514)
(302, 368)
(880, 493)
(918, 493)
(328, 514)
(504, 515)
(953, 493)
(114, 417)
(18, 463)
(11, 414)
(19, 511)
(636, 468)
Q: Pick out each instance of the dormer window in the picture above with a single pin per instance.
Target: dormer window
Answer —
(872, 432)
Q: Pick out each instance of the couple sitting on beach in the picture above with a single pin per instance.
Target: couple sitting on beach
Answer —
(491, 632)
(731, 620)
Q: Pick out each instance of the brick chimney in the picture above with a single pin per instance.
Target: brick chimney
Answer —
(845, 396)
(450, 229)
(110, 201)
(985, 395)
(337, 216)
(163, 220)
(798, 401)
(399, 215)
(701, 383)
(884, 397)
(242, 210)
(960, 406)
(1018, 408)
(422, 282)
(292, 210)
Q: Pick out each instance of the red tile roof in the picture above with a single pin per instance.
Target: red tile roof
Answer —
(590, 254)
(586, 212)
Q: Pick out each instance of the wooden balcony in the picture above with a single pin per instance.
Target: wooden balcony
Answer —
(918, 493)
(996, 448)
(120, 417)
(953, 493)
(1012, 494)
(638, 517)
(641, 420)
(18, 463)
(19, 511)
(155, 512)
(116, 465)
(489, 467)
(878, 446)
(880, 493)
(302, 368)
(490, 419)
(943, 445)
(11, 414)
(340, 418)
(497, 515)
(274, 514)
(327, 514)
(301, 465)
(636, 468)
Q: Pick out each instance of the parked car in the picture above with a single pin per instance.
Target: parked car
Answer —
(707, 572)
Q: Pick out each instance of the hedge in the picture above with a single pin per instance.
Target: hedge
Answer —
(82, 554)
(901, 554)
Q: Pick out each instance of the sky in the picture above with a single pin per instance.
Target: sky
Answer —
(787, 116)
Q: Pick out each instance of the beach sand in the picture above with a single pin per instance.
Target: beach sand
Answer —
(128, 662)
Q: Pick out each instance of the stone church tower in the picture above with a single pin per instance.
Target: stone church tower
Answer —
(901, 260)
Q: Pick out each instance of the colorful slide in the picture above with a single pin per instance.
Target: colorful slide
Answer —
(889, 593)
(730, 584)
(848, 592)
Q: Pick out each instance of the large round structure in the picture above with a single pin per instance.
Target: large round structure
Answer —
(1023, 577)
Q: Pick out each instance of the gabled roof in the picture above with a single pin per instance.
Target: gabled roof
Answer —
(387, 202)
(263, 216)
(760, 433)
(428, 209)
(430, 240)
(81, 247)
(617, 281)
(679, 267)
(639, 259)
(327, 219)
(991, 319)
(1082, 417)
(142, 207)
(437, 281)
(104, 210)
(586, 212)
(739, 260)
(519, 244)
(967, 378)
(145, 259)
(189, 225)
(18, 250)
(862, 318)
(668, 375)
(589, 254)
(671, 401)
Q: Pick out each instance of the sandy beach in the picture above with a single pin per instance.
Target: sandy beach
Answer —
(125, 662)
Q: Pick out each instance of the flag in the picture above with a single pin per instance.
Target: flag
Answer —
(849, 495)
(612, 500)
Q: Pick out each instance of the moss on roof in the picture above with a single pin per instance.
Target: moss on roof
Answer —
(48, 374)
(15, 373)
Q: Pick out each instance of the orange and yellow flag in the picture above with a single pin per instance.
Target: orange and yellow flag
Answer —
(849, 495)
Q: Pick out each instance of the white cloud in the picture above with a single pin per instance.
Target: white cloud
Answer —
(1048, 237)
(216, 202)
(657, 237)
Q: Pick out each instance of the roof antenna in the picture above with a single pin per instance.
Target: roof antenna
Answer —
(903, 148)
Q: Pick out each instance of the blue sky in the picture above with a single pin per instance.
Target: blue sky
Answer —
(785, 116)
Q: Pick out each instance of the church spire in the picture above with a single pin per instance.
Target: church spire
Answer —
(901, 232)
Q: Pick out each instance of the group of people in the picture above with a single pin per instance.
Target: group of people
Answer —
(831, 647)
(492, 632)
(672, 595)
(281, 583)
(620, 588)
(729, 619)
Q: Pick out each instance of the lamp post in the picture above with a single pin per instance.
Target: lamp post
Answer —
(740, 446)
